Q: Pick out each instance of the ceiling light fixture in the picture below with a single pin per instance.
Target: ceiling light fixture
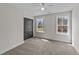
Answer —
(42, 8)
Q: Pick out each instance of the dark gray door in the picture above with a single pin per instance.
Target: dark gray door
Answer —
(28, 28)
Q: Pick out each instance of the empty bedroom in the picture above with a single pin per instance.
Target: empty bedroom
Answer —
(39, 28)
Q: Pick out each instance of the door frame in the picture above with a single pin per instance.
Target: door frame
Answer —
(24, 25)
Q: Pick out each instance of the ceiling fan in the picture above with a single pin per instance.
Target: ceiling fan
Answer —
(44, 6)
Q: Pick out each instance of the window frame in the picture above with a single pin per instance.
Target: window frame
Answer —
(62, 33)
(37, 24)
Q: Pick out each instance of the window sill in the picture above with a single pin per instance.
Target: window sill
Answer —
(40, 31)
(62, 33)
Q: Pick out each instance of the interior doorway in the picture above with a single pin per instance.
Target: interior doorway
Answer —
(28, 28)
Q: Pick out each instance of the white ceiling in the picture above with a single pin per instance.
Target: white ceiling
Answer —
(34, 8)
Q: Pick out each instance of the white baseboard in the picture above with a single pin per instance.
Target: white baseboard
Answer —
(77, 50)
(51, 39)
(7, 49)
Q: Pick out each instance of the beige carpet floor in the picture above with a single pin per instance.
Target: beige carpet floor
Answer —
(35, 46)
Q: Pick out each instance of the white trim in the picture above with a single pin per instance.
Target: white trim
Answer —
(9, 48)
(40, 31)
(62, 33)
(40, 17)
(76, 49)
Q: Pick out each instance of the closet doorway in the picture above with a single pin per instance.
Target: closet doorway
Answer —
(28, 28)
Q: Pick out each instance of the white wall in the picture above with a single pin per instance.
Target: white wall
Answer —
(50, 27)
(75, 28)
(11, 27)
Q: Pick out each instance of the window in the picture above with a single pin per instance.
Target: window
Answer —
(62, 24)
(40, 24)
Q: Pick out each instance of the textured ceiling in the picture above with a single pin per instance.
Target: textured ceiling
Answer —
(34, 8)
